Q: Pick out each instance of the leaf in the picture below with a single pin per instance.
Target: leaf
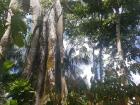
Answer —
(18, 40)
(7, 65)
(12, 102)
(18, 29)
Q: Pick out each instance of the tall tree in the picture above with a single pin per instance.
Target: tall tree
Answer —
(48, 37)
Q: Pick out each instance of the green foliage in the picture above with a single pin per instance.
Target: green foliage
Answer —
(76, 99)
(80, 10)
(3, 9)
(7, 65)
(2, 27)
(11, 102)
(18, 28)
(21, 91)
(95, 18)
(46, 3)
(19, 85)
(18, 40)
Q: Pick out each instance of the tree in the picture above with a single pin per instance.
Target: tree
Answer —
(49, 41)
(108, 27)
(109, 20)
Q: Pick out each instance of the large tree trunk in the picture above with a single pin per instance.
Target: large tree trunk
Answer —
(35, 67)
(46, 51)
(33, 50)
(47, 58)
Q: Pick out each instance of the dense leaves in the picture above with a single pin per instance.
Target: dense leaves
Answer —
(7, 65)
(21, 92)
(18, 29)
(3, 12)
(91, 30)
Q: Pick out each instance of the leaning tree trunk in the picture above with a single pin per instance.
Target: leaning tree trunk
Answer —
(6, 38)
(47, 58)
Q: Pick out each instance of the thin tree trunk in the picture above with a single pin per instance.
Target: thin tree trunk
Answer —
(94, 64)
(123, 68)
(101, 60)
(118, 35)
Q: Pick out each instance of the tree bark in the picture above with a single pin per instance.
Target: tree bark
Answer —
(46, 50)
(33, 50)
(94, 68)
(118, 35)
(6, 38)
(101, 59)
(58, 45)
(47, 43)
(60, 82)
(122, 68)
